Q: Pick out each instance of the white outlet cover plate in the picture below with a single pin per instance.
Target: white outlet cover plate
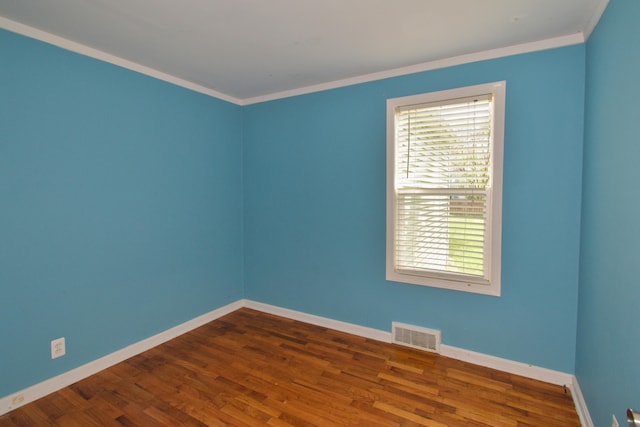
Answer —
(58, 348)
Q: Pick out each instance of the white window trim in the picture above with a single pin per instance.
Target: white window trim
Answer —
(494, 204)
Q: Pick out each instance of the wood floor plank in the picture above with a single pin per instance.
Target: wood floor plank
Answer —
(408, 415)
(251, 368)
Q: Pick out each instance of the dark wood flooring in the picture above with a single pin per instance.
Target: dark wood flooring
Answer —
(250, 368)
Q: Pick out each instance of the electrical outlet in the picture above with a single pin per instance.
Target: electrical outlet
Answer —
(614, 423)
(58, 348)
(17, 400)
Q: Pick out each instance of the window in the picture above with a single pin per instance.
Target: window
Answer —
(444, 188)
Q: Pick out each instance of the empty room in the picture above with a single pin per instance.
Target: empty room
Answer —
(318, 213)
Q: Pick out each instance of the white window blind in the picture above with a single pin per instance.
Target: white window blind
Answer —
(443, 171)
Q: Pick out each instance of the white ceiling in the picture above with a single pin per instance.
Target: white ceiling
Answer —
(248, 49)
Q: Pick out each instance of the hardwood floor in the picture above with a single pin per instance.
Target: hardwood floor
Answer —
(250, 368)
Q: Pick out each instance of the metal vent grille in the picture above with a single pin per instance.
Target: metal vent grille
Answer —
(416, 337)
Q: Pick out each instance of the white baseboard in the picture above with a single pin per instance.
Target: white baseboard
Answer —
(581, 404)
(51, 385)
(528, 371)
(506, 365)
(30, 394)
(350, 328)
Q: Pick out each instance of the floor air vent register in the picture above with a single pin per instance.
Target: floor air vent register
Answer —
(416, 337)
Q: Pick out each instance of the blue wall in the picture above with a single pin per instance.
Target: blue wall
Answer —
(608, 348)
(121, 210)
(315, 209)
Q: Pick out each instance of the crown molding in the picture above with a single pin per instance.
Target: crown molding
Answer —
(82, 49)
(595, 18)
(552, 43)
(72, 46)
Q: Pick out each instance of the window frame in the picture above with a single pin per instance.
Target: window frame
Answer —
(493, 233)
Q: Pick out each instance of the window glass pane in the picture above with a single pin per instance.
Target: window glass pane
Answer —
(442, 166)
